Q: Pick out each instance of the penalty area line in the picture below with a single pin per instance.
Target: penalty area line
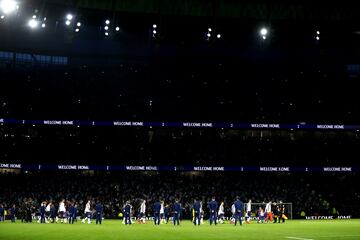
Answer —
(299, 238)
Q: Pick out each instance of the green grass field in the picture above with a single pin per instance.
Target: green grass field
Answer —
(111, 229)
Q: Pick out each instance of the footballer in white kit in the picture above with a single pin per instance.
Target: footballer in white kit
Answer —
(62, 211)
(221, 213)
(87, 213)
(268, 212)
(232, 219)
(248, 212)
(47, 212)
(162, 212)
(142, 212)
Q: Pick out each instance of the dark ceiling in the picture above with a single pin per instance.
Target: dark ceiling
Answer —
(257, 10)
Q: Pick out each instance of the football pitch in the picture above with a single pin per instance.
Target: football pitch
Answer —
(113, 229)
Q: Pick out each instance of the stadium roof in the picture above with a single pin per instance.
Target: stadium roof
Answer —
(258, 9)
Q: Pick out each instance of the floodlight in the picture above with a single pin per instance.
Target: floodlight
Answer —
(8, 6)
(33, 23)
(69, 17)
(263, 31)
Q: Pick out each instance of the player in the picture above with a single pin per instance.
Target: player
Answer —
(87, 212)
(232, 219)
(162, 217)
(282, 213)
(176, 208)
(127, 213)
(62, 210)
(201, 214)
(28, 212)
(166, 213)
(142, 212)
(213, 205)
(221, 213)
(52, 213)
(269, 215)
(238, 210)
(2, 213)
(12, 213)
(196, 212)
(72, 213)
(248, 212)
(260, 215)
(42, 212)
(123, 213)
(156, 210)
(47, 212)
(276, 210)
(99, 212)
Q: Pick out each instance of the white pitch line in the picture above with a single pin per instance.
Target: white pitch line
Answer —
(299, 238)
(342, 236)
